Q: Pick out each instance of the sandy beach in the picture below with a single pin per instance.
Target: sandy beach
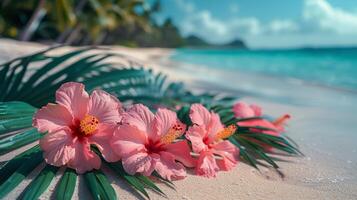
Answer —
(326, 136)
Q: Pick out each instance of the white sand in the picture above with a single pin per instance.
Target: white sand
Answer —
(323, 124)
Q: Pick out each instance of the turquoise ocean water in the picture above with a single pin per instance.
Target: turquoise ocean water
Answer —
(336, 67)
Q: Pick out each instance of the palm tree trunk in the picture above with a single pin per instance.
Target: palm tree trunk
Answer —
(77, 11)
(73, 35)
(34, 21)
(100, 39)
(87, 40)
(61, 38)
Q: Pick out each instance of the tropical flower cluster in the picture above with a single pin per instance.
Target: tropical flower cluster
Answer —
(79, 123)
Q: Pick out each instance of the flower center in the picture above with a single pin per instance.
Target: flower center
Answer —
(154, 147)
(226, 132)
(88, 124)
(174, 132)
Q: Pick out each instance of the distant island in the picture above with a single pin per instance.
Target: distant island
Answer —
(193, 41)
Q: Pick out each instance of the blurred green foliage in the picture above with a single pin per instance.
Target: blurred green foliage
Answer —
(87, 22)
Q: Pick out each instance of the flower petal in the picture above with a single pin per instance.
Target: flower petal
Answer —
(168, 168)
(52, 118)
(74, 98)
(228, 152)
(261, 123)
(105, 107)
(128, 140)
(206, 165)
(57, 147)
(226, 164)
(182, 151)
(257, 110)
(163, 121)
(140, 163)
(196, 134)
(84, 159)
(102, 139)
(214, 127)
(243, 110)
(199, 114)
(226, 148)
(141, 117)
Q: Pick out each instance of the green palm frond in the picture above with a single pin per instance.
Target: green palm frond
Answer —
(16, 126)
(35, 78)
(253, 146)
(99, 186)
(29, 82)
(22, 167)
(133, 181)
(12, 165)
(40, 183)
(18, 140)
(66, 185)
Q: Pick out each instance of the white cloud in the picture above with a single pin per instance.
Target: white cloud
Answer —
(213, 29)
(186, 6)
(281, 26)
(324, 17)
(244, 26)
(202, 23)
(319, 21)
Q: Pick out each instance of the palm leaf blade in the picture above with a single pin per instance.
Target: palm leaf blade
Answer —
(20, 174)
(99, 186)
(150, 184)
(66, 185)
(10, 166)
(40, 184)
(19, 140)
(131, 180)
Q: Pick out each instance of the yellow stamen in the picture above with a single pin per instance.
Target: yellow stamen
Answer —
(280, 121)
(88, 124)
(174, 132)
(226, 132)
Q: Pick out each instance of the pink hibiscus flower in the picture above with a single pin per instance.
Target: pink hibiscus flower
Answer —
(74, 123)
(242, 110)
(145, 142)
(206, 136)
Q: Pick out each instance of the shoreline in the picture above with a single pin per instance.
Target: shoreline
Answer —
(322, 124)
(272, 76)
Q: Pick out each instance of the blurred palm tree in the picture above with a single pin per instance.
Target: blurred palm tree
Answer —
(103, 16)
(24, 18)
(74, 21)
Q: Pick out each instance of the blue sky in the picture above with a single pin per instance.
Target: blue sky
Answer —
(266, 24)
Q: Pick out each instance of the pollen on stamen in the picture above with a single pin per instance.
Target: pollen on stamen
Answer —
(226, 132)
(174, 132)
(88, 124)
